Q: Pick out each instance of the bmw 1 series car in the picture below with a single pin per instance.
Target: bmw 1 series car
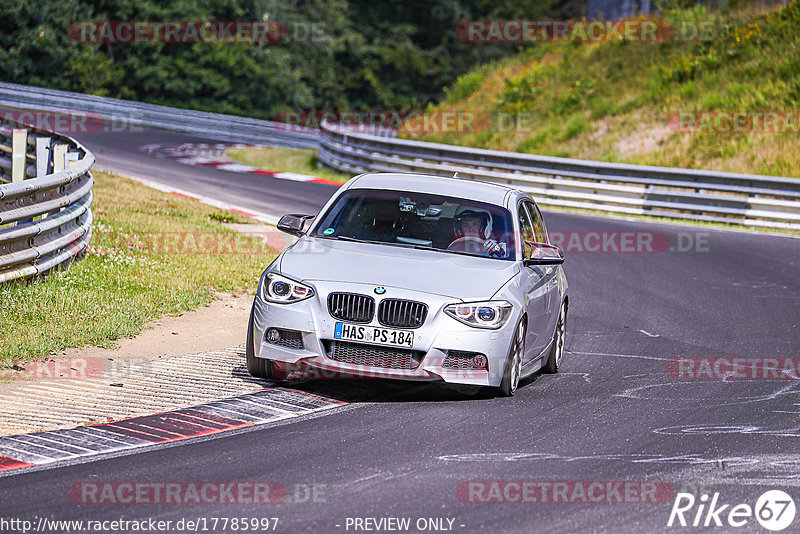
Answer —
(413, 277)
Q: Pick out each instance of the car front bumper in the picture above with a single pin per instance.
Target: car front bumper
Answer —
(438, 344)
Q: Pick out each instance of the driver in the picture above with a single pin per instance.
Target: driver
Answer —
(473, 233)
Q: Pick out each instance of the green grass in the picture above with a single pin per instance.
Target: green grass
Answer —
(303, 161)
(613, 101)
(149, 258)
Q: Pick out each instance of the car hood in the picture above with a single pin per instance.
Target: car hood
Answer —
(453, 275)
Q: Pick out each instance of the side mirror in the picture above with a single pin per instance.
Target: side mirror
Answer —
(542, 254)
(294, 224)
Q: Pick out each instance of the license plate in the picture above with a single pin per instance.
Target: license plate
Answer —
(373, 334)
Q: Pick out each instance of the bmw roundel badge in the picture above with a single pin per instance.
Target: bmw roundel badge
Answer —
(380, 290)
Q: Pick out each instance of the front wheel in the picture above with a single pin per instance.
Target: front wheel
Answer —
(513, 370)
(257, 367)
(557, 351)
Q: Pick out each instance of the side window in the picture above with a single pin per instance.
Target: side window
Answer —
(527, 230)
(545, 235)
(538, 226)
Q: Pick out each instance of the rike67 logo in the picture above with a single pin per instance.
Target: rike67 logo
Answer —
(774, 510)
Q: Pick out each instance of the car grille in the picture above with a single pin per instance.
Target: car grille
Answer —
(373, 356)
(351, 307)
(291, 339)
(460, 359)
(402, 313)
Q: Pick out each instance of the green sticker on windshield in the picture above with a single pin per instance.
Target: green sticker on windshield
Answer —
(328, 231)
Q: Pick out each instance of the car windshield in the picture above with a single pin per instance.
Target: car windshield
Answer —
(420, 220)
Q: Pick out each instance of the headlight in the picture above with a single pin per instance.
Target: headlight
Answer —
(490, 314)
(282, 290)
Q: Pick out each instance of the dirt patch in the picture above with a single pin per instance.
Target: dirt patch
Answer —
(222, 324)
(643, 140)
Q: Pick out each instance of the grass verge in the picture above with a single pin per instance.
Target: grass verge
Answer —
(152, 254)
(303, 161)
(625, 101)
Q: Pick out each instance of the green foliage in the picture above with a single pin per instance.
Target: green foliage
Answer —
(363, 54)
(465, 86)
(575, 126)
(519, 92)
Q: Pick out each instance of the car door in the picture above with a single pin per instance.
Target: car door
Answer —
(533, 283)
(550, 271)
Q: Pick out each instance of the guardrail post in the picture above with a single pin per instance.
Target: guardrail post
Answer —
(60, 238)
(71, 159)
(42, 156)
(19, 143)
(59, 158)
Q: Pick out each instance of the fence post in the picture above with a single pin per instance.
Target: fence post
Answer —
(59, 154)
(71, 159)
(19, 144)
(42, 156)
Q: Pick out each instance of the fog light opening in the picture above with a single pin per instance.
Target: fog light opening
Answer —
(273, 336)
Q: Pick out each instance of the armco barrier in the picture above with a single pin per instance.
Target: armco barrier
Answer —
(127, 113)
(748, 199)
(45, 199)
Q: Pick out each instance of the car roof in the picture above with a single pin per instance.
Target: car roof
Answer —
(435, 185)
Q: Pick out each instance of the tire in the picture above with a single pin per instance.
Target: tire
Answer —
(513, 370)
(257, 367)
(557, 350)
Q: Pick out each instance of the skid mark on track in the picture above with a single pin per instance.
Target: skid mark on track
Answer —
(609, 354)
(758, 469)
(707, 430)
(704, 394)
(648, 334)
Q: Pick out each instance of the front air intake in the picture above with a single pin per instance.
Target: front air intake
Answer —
(351, 307)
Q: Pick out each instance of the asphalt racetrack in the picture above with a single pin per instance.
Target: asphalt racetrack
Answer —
(625, 407)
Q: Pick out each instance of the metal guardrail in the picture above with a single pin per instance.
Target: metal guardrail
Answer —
(45, 199)
(125, 113)
(747, 199)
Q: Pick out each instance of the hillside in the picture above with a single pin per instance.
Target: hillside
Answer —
(624, 101)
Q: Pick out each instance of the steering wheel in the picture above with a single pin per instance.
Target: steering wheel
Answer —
(462, 244)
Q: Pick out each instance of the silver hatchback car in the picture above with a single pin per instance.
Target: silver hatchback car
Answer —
(413, 277)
